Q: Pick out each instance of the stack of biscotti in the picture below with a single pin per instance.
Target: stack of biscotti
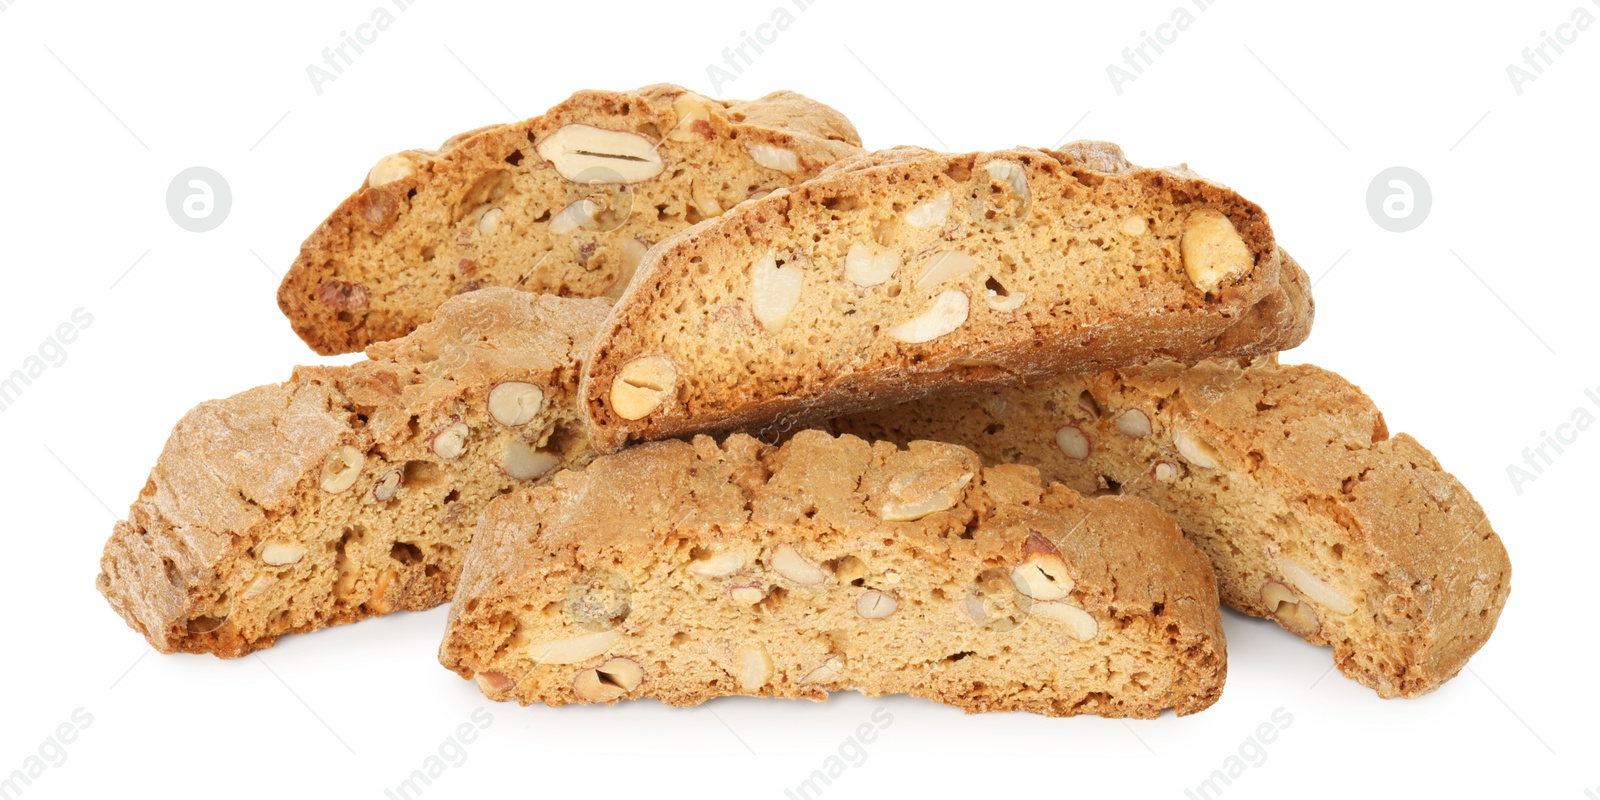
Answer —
(989, 341)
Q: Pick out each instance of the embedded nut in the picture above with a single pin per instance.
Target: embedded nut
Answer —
(747, 593)
(864, 266)
(1166, 471)
(1313, 588)
(490, 221)
(945, 265)
(1285, 606)
(1195, 451)
(340, 469)
(1213, 250)
(585, 153)
(492, 683)
(771, 157)
(1134, 226)
(450, 441)
(276, 554)
(1079, 623)
(525, 463)
(703, 195)
(999, 299)
(917, 494)
(579, 214)
(342, 295)
(1134, 423)
(1072, 442)
(391, 168)
(694, 118)
(719, 565)
(609, 681)
(379, 599)
(629, 253)
(755, 668)
(514, 403)
(1042, 575)
(388, 485)
(825, 672)
(641, 386)
(578, 648)
(947, 313)
(774, 291)
(796, 568)
(873, 604)
(1088, 405)
(931, 213)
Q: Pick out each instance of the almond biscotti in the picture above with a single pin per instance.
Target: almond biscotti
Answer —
(685, 571)
(906, 273)
(565, 203)
(349, 491)
(1286, 476)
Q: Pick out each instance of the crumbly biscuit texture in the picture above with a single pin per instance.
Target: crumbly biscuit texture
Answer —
(349, 491)
(908, 273)
(1287, 478)
(565, 203)
(684, 571)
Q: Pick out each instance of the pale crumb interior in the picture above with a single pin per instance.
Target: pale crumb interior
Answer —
(959, 632)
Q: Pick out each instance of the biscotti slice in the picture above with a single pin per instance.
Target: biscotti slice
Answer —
(1286, 476)
(685, 571)
(908, 272)
(350, 491)
(565, 203)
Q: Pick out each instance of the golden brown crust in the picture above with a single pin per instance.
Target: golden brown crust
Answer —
(1091, 262)
(1307, 473)
(189, 568)
(390, 254)
(613, 552)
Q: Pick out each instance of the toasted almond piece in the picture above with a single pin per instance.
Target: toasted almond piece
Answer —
(575, 649)
(945, 265)
(1213, 250)
(796, 568)
(947, 313)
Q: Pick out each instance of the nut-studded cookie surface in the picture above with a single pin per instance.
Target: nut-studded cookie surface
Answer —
(349, 491)
(685, 571)
(564, 203)
(908, 273)
(1288, 479)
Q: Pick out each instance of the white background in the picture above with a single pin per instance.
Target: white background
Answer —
(1474, 332)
